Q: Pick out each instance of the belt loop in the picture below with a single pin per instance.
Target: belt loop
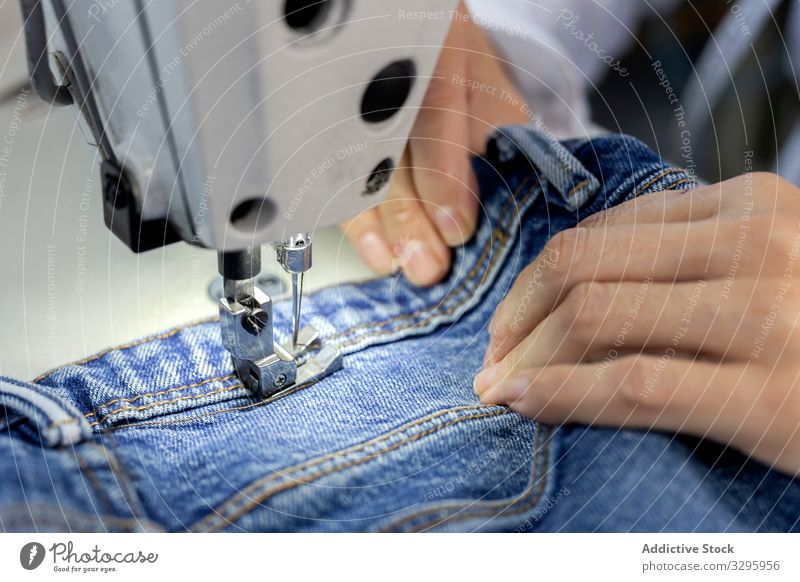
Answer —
(57, 422)
(574, 184)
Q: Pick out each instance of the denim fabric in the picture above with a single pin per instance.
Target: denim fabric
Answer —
(160, 435)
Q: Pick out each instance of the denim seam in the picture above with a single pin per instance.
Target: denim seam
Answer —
(530, 499)
(662, 174)
(176, 330)
(442, 312)
(161, 393)
(577, 187)
(467, 280)
(680, 183)
(223, 390)
(528, 505)
(270, 400)
(463, 286)
(295, 482)
(128, 491)
(94, 481)
(397, 525)
(173, 331)
(311, 463)
(117, 466)
(478, 271)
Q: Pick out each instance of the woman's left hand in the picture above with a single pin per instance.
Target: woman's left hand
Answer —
(675, 311)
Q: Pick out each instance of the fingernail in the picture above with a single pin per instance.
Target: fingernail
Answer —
(484, 380)
(376, 252)
(513, 389)
(449, 226)
(419, 263)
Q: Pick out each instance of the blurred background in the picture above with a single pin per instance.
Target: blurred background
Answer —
(743, 103)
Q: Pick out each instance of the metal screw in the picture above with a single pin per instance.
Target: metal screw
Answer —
(279, 381)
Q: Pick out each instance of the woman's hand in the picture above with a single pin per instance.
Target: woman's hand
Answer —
(432, 204)
(673, 311)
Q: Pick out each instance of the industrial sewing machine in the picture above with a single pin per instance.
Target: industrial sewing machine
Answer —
(236, 124)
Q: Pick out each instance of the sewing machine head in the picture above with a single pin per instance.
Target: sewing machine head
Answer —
(234, 124)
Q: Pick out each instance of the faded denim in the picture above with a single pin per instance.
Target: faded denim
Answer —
(160, 435)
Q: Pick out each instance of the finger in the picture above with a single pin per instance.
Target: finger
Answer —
(600, 321)
(439, 146)
(668, 252)
(366, 234)
(732, 197)
(414, 240)
(661, 207)
(642, 391)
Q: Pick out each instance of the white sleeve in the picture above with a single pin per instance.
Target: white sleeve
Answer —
(556, 48)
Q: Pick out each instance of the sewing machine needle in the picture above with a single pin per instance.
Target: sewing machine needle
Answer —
(297, 298)
(294, 255)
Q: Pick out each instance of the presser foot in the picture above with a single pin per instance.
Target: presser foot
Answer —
(264, 366)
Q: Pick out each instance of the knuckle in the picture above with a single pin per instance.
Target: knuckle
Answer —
(402, 211)
(512, 363)
(771, 318)
(530, 281)
(783, 237)
(443, 185)
(565, 247)
(502, 324)
(587, 306)
(637, 379)
(779, 402)
(770, 235)
(759, 308)
(449, 167)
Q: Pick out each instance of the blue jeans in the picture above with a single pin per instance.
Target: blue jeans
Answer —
(160, 435)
